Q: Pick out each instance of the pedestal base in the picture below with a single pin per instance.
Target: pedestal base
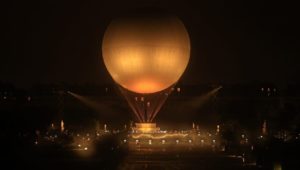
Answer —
(145, 128)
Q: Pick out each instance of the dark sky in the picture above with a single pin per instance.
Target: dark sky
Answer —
(232, 41)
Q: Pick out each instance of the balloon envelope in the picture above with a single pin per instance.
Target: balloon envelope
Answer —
(146, 55)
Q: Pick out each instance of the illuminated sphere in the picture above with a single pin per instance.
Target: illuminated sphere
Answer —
(146, 54)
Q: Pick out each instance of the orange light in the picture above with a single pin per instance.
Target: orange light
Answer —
(145, 86)
(154, 48)
(146, 127)
(158, 136)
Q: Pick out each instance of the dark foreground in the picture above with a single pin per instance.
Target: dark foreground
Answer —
(182, 160)
(137, 160)
(111, 154)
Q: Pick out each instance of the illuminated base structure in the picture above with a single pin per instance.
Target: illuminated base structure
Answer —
(146, 128)
(149, 133)
(146, 136)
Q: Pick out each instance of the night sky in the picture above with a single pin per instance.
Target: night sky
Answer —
(232, 42)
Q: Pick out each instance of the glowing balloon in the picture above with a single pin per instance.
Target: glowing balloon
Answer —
(146, 55)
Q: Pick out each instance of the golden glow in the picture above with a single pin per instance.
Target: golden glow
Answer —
(158, 136)
(145, 86)
(146, 55)
(277, 166)
(62, 126)
(83, 146)
(146, 127)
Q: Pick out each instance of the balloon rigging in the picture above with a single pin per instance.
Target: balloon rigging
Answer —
(146, 56)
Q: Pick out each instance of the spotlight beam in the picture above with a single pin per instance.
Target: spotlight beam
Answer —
(99, 107)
